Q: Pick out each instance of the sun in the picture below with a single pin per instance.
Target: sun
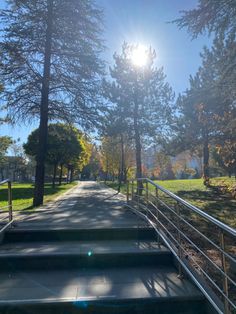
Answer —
(139, 55)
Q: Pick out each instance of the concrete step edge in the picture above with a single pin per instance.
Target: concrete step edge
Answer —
(55, 301)
(69, 254)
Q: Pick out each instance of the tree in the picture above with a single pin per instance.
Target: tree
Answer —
(5, 142)
(63, 146)
(87, 148)
(225, 151)
(93, 167)
(181, 165)
(116, 158)
(143, 97)
(17, 160)
(115, 128)
(206, 107)
(163, 166)
(79, 162)
(51, 66)
(110, 157)
(210, 15)
(218, 17)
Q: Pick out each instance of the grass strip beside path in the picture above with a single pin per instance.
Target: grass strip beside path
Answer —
(22, 194)
(220, 205)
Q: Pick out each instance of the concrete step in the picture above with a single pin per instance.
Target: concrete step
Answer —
(80, 234)
(93, 254)
(130, 290)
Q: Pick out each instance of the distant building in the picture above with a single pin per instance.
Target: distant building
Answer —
(16, 168)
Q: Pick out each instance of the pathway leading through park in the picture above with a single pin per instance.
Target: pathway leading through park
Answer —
(88, 205)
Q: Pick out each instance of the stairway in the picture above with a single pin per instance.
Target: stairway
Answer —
(109, 270)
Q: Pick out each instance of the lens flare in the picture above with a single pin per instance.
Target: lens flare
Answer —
(139, 55)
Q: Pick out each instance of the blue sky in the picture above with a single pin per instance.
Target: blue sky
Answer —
(146, 22)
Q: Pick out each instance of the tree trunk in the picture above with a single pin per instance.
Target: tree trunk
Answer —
(206, 160)
(122, 159)
(106, 176)
(2, 174)
(60, 176)
(125, 174)
(54, 175)
(67, 175)
(14, 176)
(71, 175)
(43, 126)
(119, 179)
(122, 164)
(138, 149)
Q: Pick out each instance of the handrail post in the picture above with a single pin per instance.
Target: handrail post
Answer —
(127, 196)
(157, 215)
(156, 202)
(146, 187)
(138, 194)
(10, 200)
(180, 270)
(146, 196)
(132, 190)
(225, 279)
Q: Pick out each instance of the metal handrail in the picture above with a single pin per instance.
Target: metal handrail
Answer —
(177, 231)
(9, 206)
(215, 221)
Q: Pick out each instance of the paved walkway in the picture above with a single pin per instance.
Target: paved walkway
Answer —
(88, 205)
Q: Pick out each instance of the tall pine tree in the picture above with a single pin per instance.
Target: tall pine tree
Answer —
(207, 109)
(51, 66)
(143, 97)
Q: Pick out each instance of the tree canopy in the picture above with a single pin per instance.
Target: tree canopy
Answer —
(75, 65)
(63, 143)
(51, 66)
(65, 146)
(141, 96)
(206, 111)
(213, 16)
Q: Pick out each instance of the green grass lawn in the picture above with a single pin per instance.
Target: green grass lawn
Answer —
(22, 194)
(221, 206)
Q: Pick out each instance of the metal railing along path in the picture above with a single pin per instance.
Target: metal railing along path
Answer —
(9, 213)
(204, 247)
